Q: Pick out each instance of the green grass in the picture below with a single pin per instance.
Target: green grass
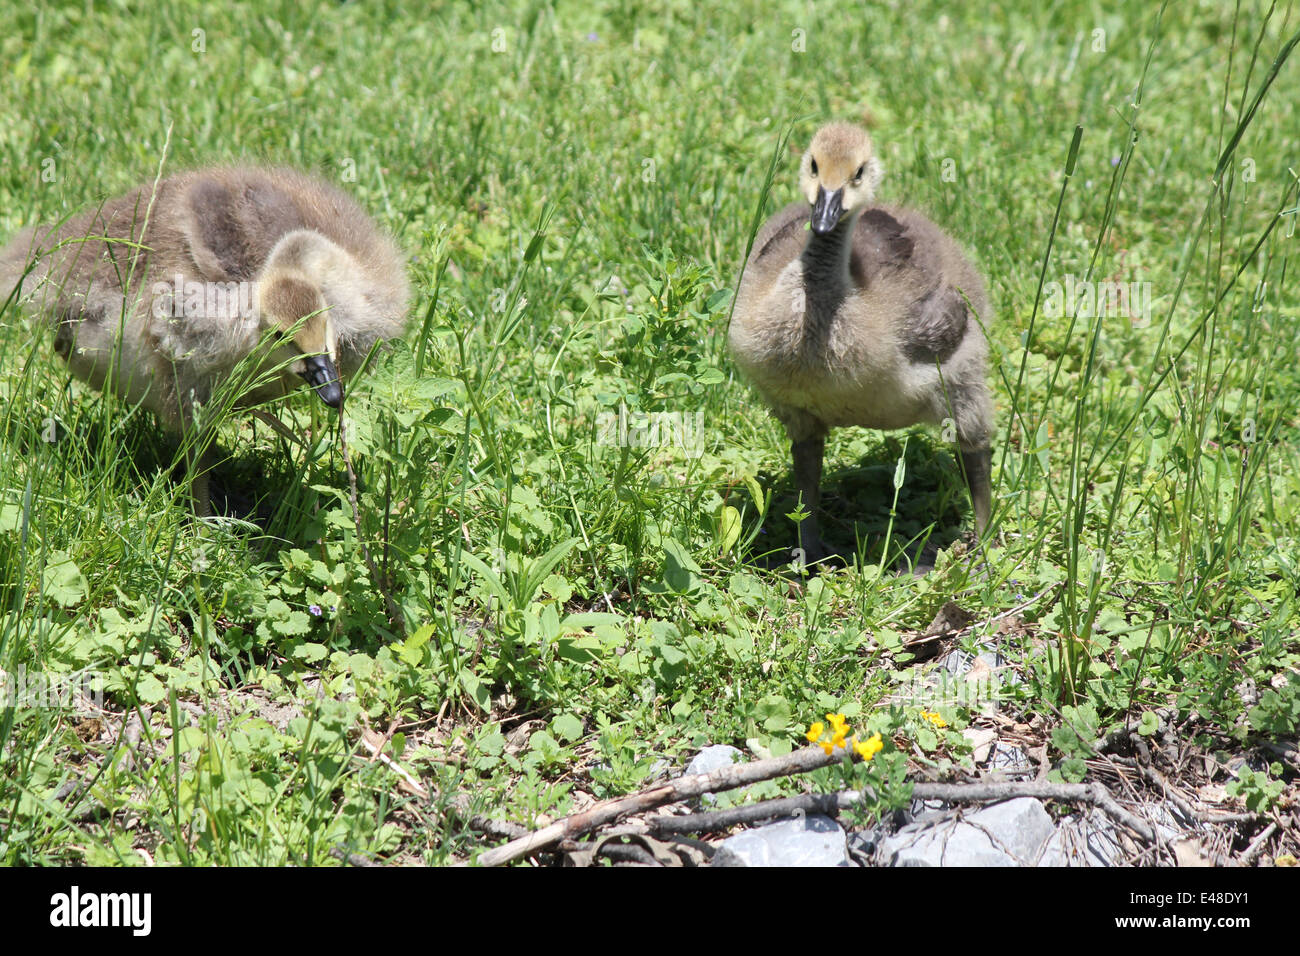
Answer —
(577, 184)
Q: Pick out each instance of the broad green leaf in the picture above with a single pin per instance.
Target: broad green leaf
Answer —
(476, 690)
(294, 624)
(728, 528)
(63, 581)
(411, 650)
(309, 652)
(567, 726)
(681, 573)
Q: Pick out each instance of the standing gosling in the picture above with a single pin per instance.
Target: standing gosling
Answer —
(872, 318)
(159, 295)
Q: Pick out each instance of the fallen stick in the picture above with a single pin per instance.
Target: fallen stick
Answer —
(683, 788)
(831, 804)
(800, 761)
(1152, 775)
(352, 859)
(1094, 794)
(1257, 845)
(459, 807)
(375, 743)
(712, 821)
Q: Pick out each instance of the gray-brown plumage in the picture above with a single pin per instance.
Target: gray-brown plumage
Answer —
(248, 278)
(870, 317)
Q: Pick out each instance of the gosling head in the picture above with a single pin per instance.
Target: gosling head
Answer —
(293, 310)
(839, 175)
(292, 306)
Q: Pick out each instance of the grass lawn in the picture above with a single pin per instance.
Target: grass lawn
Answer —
(567, 567)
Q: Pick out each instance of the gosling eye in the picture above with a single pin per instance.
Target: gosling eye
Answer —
(814, 167)
(857, 177)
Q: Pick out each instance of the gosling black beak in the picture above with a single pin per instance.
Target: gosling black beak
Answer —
(324, 377)
(827, 210)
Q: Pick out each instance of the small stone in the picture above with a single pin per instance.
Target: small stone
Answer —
(1011, 833)
(1007, 759)
(1089, 839)
(1190, 853)
(981, 740)
(1021, 827)
(941, 842)
(957, 663)
(711, 758)
(862, 845)
(810, 840)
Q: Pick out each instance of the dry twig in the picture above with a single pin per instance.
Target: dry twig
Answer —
(1204, 816)
(801, 761)
(683, 788)
(714, 821)
(1090, 793)
(831, 804)
(1257, 845)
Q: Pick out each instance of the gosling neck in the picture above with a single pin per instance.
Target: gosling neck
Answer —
(825, 258)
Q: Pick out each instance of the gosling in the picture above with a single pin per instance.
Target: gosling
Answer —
(237, 283)
(873, 318)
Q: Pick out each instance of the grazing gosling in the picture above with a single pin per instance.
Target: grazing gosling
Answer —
(872, 318)
(159, 296)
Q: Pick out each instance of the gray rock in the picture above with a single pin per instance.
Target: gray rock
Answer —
(959, 662)
(711, 758)
(982, 693)
(811, 840)
(922, 810)
(862, 845)
(1020, 827)
(1165, 820)
(1088, 839)
(943, 841)
(1011, 833)
(981, 740)
(1009, 761)
(1094, 839)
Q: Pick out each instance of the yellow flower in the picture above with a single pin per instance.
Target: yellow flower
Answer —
(839, 731)
(1286, 859)
(933, 717)
(868, 748)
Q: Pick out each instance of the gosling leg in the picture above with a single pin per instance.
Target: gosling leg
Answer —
(977, 463)
(200, 464)
(807, 457)
(199, 459)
